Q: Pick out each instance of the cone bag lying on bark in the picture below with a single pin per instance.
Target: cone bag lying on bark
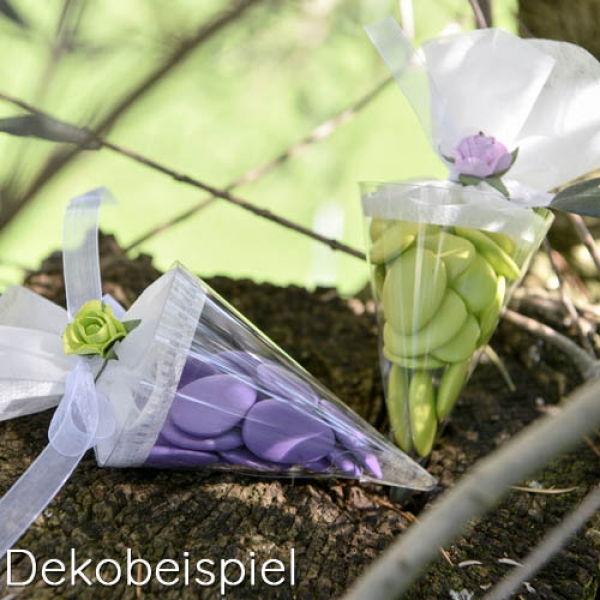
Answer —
(179, 380)
(445, 256)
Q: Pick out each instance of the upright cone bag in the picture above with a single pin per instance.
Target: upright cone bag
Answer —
(197, 385)
(444, 261)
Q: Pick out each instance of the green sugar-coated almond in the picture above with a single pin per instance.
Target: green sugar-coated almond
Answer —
(393, 241)
(443, 326)
(477, 285)
(461, 346)
(422, 411)
(504, 241)
(489, 317)
(450, 386)
(379, 279)
(456, 252)
(378, 226)
(414, 289)
(397, 407)
(426, 363)
(502, 263)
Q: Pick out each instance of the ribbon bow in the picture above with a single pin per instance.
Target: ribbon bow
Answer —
(84, 415)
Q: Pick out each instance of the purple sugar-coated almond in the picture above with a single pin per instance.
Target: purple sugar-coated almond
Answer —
(277, 431)
(318, 466)
(370, 461)
(167, 456)
(282, 382)
(245, 458)
(174, 436)
(235, 361)
(354, 439)
(208, 407)
(193, 369)
(343, 460)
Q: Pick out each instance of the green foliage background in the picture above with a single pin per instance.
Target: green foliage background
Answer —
(238, 101)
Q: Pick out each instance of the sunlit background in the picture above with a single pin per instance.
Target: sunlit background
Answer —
(255, 85)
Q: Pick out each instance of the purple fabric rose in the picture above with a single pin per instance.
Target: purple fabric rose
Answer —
(481, 156)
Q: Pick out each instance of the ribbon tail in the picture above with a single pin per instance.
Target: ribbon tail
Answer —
(410, 73)
(32, 493)
(80, 249)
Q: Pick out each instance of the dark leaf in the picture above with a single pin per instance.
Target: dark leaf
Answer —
(497, 184)
(581, 198)
(46, 128)
(111, 355)
(131, 325)
(469, 179)
(10, 13)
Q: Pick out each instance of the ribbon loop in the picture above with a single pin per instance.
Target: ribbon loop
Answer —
(83, 415)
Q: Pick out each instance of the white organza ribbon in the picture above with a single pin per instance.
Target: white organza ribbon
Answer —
(84, 416)
(539, 96)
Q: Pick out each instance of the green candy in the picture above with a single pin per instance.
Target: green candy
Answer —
(392, 241)
(378, 226)
(462, 345)
(426, 363)
(477, 285)
(379, 279)
(450, 385)
(456, 252)
(414, 289)
(422, 412)
(503, 264)
(489, 317)
(504, 241)
(397, 406)
(444, 325)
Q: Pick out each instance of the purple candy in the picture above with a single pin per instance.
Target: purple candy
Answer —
(318, 466)
(209, 407)
(279, 432)
(194, 369)
(280, 381)
(162, 456)
(343, 460)
(353, 439)
(245, 458)
(176, 437)
(235, 361)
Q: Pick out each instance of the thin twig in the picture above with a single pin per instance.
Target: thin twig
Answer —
(582, 231)
(567, 300)
(526, 453)
(62, 158)
(550, 545)
(261, 212)
(480, 19)
(192, 181)
(588, 366)
(323, 131)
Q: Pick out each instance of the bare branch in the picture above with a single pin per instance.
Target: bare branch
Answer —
(566, 298)
(588, 366)
(480, 18)
(474, 495)
(320, 133)
(551, 544)
(261, 212)
(192, 181)
(586, 237)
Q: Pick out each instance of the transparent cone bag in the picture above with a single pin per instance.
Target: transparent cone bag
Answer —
(444, 261)
(197, 385)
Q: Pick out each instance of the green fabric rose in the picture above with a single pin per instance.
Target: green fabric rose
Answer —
(95, 330)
